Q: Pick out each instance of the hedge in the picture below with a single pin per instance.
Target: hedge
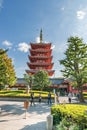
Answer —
(72, 112)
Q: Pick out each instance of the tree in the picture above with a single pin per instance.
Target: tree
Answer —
(7, 73)
(3, 51)
(41, 80)
(29, 79)
(75, 63)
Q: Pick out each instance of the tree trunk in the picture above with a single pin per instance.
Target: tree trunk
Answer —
(28, 89)
(81, 98)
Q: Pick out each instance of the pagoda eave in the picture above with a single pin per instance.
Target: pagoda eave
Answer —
(32, 72)
(33, 53)
(40, 50)
(40, 45)
(40, 57)
(40, 64)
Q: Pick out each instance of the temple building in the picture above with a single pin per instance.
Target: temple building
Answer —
(40, 57)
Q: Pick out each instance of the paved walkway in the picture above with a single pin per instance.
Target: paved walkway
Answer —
(13, 116)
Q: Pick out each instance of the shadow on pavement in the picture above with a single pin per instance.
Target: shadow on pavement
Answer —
(39, 108)
(12, 109)
(18, 109)
(37, 126)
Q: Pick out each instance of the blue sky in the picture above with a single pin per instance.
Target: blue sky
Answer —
(21, 21)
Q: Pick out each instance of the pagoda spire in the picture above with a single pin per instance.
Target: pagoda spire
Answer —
(41, 36)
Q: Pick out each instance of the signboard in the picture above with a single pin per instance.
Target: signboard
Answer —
(26, 104)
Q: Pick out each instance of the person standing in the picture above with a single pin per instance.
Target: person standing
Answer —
(32, 99)
(40, 98)
(49, 98)
(69, 97)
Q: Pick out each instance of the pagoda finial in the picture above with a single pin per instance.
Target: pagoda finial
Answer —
(41, 36)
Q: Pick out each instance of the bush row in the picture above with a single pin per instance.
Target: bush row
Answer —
(76, 114)
(22, 93)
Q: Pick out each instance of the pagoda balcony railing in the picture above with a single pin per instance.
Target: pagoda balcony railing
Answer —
(50, 72)
(40, 63)
(40, 57)
(41, 53)
(40, 50)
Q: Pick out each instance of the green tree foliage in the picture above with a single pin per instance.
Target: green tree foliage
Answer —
(7, 73)
(29, 79)
(41, 80)
(3, 51)
(75, 63)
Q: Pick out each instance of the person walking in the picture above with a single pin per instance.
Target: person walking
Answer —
(32, 99)
(49, 98)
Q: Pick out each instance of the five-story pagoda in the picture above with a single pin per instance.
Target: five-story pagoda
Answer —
(40, 57)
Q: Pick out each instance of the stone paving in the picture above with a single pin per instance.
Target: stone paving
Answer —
(14, 117)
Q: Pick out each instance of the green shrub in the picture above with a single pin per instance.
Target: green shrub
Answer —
(22, 93)
(71, 113)
(2, 87)
(62, 126)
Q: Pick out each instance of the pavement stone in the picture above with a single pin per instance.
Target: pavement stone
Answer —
(14, 117)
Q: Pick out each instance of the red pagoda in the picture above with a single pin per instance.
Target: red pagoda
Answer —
(40, 57)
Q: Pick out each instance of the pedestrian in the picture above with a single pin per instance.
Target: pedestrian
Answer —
(69, 97)
(49, 98)
(32, 99)
(78, 96)
(40, 98)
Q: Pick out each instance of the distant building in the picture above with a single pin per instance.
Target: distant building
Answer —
(57, 83)
(60, 84)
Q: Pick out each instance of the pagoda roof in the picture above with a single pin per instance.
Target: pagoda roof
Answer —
(40, 45)
(39, 53)
(40, 50)
(50, 72)
(40, 57)
(39, 64)
(44, 44)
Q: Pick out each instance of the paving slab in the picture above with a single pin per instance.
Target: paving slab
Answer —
(14, 117)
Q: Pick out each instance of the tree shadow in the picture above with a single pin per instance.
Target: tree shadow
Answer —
(37, 126)
(39, 108)
(18, 109)
(15, 109)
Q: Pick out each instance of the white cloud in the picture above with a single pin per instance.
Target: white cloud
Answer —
(62, 8)
(24, 47)
(81, 14)
(38, 39)
(1, 2)
(7, 43)
(53, 46)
